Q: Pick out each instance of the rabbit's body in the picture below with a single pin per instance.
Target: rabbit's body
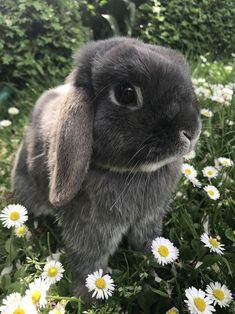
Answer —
(104, 155)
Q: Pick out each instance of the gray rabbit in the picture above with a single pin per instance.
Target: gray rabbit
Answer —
(103, 152)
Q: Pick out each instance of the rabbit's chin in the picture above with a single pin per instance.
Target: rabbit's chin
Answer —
(145, 167)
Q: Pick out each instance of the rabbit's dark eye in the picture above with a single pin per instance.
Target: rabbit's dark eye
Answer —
(125, 94)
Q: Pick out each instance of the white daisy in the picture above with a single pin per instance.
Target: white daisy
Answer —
(54, 256)
(212, 192)
(164, 251)
(21, 231)
(212, 243)
(19, 306)
(13, 111)
(220, 294)
(102, 286)
(14, 215)
(188, 170)
(206, 113)
(11, 299)
(226, 162)
(206, 133)
(195, 182)
(37, 292)
(5, 123)
(198, 302)
(210, 172)
(53, 272)
(173, 310)
(190, 155)
(58, 309)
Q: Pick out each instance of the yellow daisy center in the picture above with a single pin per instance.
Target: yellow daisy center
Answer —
(210, 172)
(214, 242)
(225, 162)
(56, 311)
(100, 283)
(163, 250)
(14, 215)
(188, 171)
(218, 294)
(211, 192)
(21, 230)
(36, 295)
(19, 310)
(52, 271)
(200, 304)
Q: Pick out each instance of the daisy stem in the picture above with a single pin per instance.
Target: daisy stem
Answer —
(48, 243)
(70, 299)
(11, 239)
(79, 307)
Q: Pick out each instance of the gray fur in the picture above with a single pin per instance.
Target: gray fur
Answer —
(105, 171)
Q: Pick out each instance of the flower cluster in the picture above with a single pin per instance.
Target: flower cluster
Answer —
(15, 216)
(12, 111)
(35, 296)
(209, 172)
(218, 93)
(204, 302)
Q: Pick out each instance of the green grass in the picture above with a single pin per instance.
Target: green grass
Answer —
(134, 273)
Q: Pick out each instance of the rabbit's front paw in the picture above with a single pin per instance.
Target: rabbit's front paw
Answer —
(82, 292)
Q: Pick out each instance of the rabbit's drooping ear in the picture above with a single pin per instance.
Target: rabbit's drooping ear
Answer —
(71, 150)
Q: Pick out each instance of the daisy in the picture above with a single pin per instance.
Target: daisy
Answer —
(164, 251)
(220, 294)
(212, 192)
(21, 231)
(53, 272)
(19, 306)
(14, 215)
(206, 113)
(58, 309)
(13, 111)
(203, 91)
(11, 299)
(190, 155)
(102, 286)
(198, 302)
(37, 292)
(188, 170)
(195, 182)
(212, 243)
(226, 162)
(5, 123)
(54, 256)
(210, 172)
(206, 133)
(173, 310)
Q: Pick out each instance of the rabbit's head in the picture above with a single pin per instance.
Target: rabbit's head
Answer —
(140, 112)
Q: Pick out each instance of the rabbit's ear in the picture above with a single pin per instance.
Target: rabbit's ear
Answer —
(71, 150)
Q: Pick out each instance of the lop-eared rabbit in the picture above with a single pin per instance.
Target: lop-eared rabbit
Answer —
(103, 152)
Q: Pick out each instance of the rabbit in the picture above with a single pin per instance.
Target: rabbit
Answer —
(103, 152)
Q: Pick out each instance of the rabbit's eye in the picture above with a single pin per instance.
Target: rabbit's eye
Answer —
(125, 94)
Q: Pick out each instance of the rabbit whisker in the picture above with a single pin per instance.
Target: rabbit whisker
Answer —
(128, 183)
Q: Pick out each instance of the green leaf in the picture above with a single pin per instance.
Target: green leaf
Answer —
(159, 292)
(229, 233)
